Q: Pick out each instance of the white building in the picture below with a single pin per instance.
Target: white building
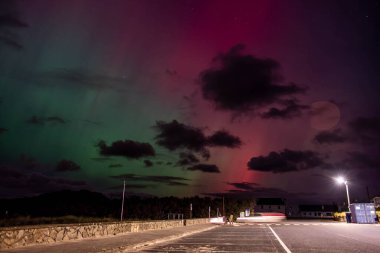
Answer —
(271, 205)
(317, 211)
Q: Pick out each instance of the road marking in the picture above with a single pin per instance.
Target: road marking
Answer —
(281, 242)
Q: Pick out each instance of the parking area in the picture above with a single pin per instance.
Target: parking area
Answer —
(289, 237)
(225, 239)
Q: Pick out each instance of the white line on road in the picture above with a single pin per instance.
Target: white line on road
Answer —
(281, 242)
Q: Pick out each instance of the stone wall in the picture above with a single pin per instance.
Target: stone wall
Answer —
(13, 237)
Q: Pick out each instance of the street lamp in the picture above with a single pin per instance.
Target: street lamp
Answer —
(342, 180)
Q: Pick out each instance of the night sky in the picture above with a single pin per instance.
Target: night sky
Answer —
(184, 98)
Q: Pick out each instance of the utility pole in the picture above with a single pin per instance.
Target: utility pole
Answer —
(209, 212)
(122, 203)
(191, 210)
(369, 199)
(223, 207)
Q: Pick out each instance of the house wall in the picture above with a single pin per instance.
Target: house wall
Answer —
(316, 214)
(270, 208)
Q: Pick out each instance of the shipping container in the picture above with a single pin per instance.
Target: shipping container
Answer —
(363, 213)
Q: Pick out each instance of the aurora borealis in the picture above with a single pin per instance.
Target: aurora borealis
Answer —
(183, 98)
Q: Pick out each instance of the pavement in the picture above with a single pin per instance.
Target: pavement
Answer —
(115, 244)
(282, 237)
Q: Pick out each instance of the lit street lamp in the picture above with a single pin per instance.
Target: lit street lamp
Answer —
(342, 180)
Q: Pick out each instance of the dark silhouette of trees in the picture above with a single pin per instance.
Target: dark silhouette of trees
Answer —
(93, 204)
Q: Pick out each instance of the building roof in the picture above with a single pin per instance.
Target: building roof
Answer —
(318, 208)
(270, 201)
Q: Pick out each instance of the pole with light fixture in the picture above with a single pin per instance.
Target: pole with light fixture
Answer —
(122, 203)
(342, 180)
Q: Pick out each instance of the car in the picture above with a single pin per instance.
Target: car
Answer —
(262, 217)
(218, 220)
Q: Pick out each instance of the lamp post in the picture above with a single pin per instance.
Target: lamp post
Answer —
(122, 204)
(342, 180)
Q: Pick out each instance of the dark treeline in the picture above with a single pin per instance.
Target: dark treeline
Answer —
(93, 204)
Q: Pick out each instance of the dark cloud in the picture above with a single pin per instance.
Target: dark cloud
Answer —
(370, 124)
(130, 186)
(244, 186)
(148, 163)
(3, 130)
(330, 137)
(361, 160)
(285, 161)
(241, 83)
(187, 159)
(127, 148)
(177, 136)
(224, 139)
(115, 165)
(268, 192)
(67, 165)
(176, 183)
(168, 180)
(367, 129)
(290, 109)
(10, 24)
(17, 182)
(254, 192)
(35, 120)
(209, 168)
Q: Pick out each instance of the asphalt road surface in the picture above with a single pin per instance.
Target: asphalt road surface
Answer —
(289, 237)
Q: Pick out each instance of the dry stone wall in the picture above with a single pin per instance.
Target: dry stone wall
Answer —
(13, 237)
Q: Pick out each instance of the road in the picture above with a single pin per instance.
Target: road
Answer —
(289, 237)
